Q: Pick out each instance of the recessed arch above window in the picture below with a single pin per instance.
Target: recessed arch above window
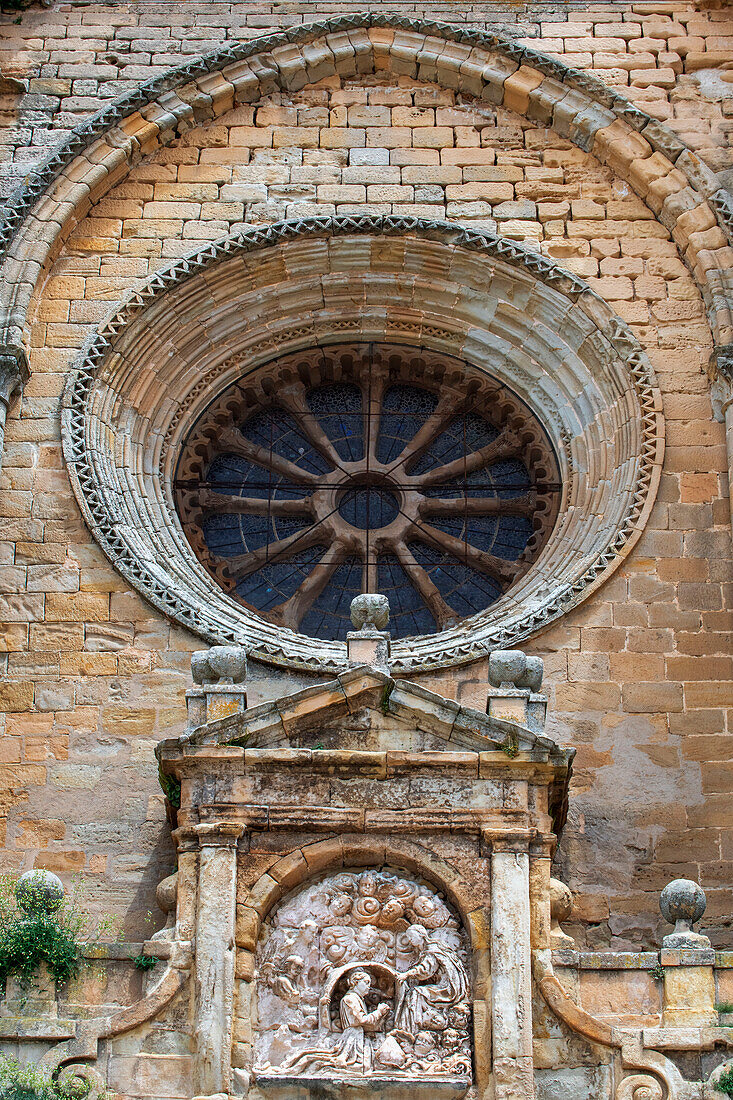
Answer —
(224, 334)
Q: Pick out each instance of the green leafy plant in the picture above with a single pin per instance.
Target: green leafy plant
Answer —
(30, 1082)
(657, 972)
(28, 939)
(144, 962)
(725, 1082)
(511, 745)
(388, 689)
(724, 1006)
(171, 789)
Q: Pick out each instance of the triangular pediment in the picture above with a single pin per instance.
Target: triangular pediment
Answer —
(365, 709)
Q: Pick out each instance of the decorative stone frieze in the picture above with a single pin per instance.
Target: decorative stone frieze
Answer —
(334, 949)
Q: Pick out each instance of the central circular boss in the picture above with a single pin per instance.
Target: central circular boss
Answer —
(369, 505)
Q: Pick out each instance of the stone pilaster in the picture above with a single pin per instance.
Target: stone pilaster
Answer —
(215, 955)
(511, 982)
(13, 374)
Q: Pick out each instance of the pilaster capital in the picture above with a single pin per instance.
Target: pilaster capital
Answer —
(14, 371)
(515, 841)
(218, 834)
(185, 839)
(543, 847)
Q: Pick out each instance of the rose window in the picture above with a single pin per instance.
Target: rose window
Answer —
(367, 468)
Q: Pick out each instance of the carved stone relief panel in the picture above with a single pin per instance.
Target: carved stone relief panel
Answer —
(364, 975)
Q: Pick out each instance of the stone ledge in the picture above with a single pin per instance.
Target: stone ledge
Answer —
(605, 960)
(111, 950)
(13, 1028)
(640, 960)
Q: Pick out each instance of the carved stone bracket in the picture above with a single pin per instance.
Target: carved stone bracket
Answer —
(720, 370)
(84, 1046)
(14, 373)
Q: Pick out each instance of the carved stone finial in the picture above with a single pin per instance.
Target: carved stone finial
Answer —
(511, 668)
(561, 906)
(39, 892)
(682, 903)
(220, 674)
(370, 612)
(220, 664)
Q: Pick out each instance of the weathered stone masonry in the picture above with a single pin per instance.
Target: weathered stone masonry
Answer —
(639, 675)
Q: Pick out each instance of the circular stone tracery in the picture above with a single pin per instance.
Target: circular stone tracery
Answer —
(222, 312)
(333, 472)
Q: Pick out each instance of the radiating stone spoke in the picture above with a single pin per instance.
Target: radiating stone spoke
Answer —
(525, 505)
(241, 565)
(354, 508)
(498, 568)
(290, 613)
(293, 398)
(506, 445)
(372, 396)
(232, 440)
(448, 408)
(441, 612)
(212, 501)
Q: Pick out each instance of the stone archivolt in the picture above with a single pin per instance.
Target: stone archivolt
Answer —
(682, 192)
(222, 313)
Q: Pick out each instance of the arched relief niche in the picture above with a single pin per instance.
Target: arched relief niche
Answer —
(216, 317)
(364, 977)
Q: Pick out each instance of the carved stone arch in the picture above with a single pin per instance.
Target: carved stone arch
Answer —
(683, 193)
(365, 909)
(357, 852)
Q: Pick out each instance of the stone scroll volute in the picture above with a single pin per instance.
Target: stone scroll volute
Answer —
(363, 978)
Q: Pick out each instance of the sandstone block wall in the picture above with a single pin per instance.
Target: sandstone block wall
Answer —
(640, 676)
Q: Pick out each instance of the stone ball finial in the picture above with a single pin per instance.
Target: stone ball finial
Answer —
(166, 892)
(533, 673)
(511, 668)
(227, 663)
(200, 668)
(682, 900)
(682, 903)
(561, 900)
(370, 611)
(39, 891)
